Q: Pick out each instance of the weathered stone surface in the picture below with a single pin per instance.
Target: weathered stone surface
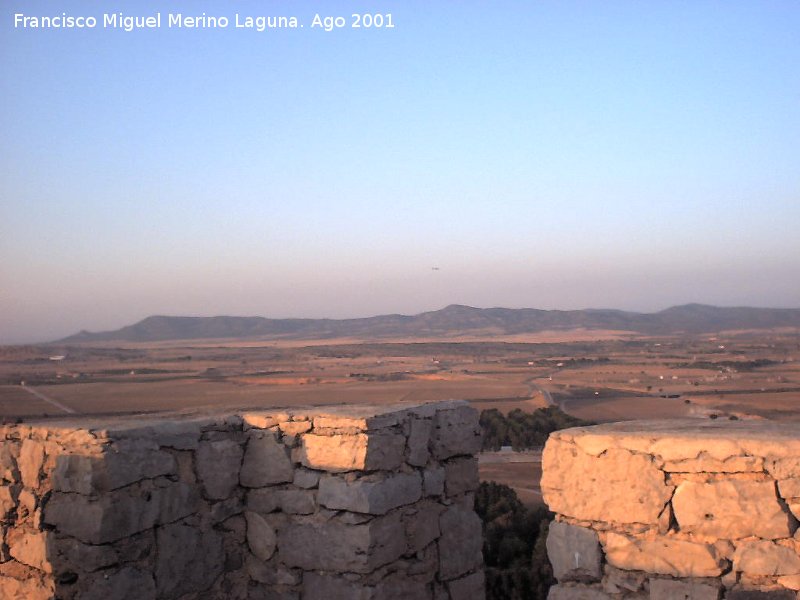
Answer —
(422, 524)
(265, 462)
(375, 495)
(790, 581)
(664, 555)
(618, 486)
(260, 536)
(574, 552)
(334, 453)
(576, 592)
(121, 513)
(433, 481)
(419, 438)
(318, 586)
(784, 468)
(760, 595)
(707, 464)
(264, 500)
(126, 584)
(471, 587)
(461, 542)
(305, 478)
(765, 558)
(706, 508)
(671, 589)
(8, 463)
(334, 546)
(296, 502)
(398, 587)
(7, 500)
(218, 465)
(30, 461)
(68, 554)
(455, 432)
(461, 475)
(188, 560)
(789, 488)
(30, 548)
(26, 589)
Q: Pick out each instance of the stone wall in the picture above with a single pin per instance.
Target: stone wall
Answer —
(350, 503)
(673, 510)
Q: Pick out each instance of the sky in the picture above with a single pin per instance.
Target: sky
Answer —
(570, 154)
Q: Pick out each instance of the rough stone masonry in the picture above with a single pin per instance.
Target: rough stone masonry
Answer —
(351, 503)
(674, 510)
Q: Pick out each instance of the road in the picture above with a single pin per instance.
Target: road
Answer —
(50, 401)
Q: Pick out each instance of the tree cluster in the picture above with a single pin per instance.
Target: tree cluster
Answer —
(521, 430)
(514, 549)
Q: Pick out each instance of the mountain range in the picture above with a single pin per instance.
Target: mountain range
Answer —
(452, 320)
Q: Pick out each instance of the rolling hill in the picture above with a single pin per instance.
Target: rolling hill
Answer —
(449, 321)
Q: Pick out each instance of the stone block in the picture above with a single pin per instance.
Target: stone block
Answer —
(296, 502)
(306, 479)
(574, 553)
(731, 509)
(456, 432)
(461, 475)
(419, 438)
(373, 494)
(218, 465)
(471, 587)
(789, 488)
(265, 461)
(663, 555)
(672, 589)
(319, 586)
(765, 558)
(30, 548)
(121, 513)
(8, 463)
(332, 546)
(261, 537)
(422, 524)
(460, 543)
(12, 588)
(761, 595)
(576, 592)
(263, 500)
(188, 560)
(340, 453)
(127, 583)
(618, 486)
(30, 462)
(433, 481)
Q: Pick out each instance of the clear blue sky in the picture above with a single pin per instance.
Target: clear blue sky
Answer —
(549, 154)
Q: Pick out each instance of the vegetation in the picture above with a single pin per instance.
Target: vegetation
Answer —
(521, 430)
(514, 550)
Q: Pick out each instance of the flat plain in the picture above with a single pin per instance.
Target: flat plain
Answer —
(598, 376)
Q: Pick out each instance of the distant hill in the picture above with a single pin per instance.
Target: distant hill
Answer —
(452, 320)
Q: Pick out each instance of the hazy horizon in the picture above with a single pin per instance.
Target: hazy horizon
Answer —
(539, 155)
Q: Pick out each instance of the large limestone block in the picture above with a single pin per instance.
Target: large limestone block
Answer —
(574, 552)
(664, 555)
(461, 542)
(188, 560)
(362, 451)
(456, 432)
(422, 524)
(706, 464)
(8, 462)
(26, 589)
(419, 438)
(121, 513)
(218, 465)
(261, 536)
(332, 546)
(127, 583)
(617, 486)
(461, 475)
(576, 592)
(30, 462)
(265, 462)
(471, 587)
(672, 589)
(30, 548)
(319, 586)
(374, 495)
(765, 558)
(731, 509)
(123, 463)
